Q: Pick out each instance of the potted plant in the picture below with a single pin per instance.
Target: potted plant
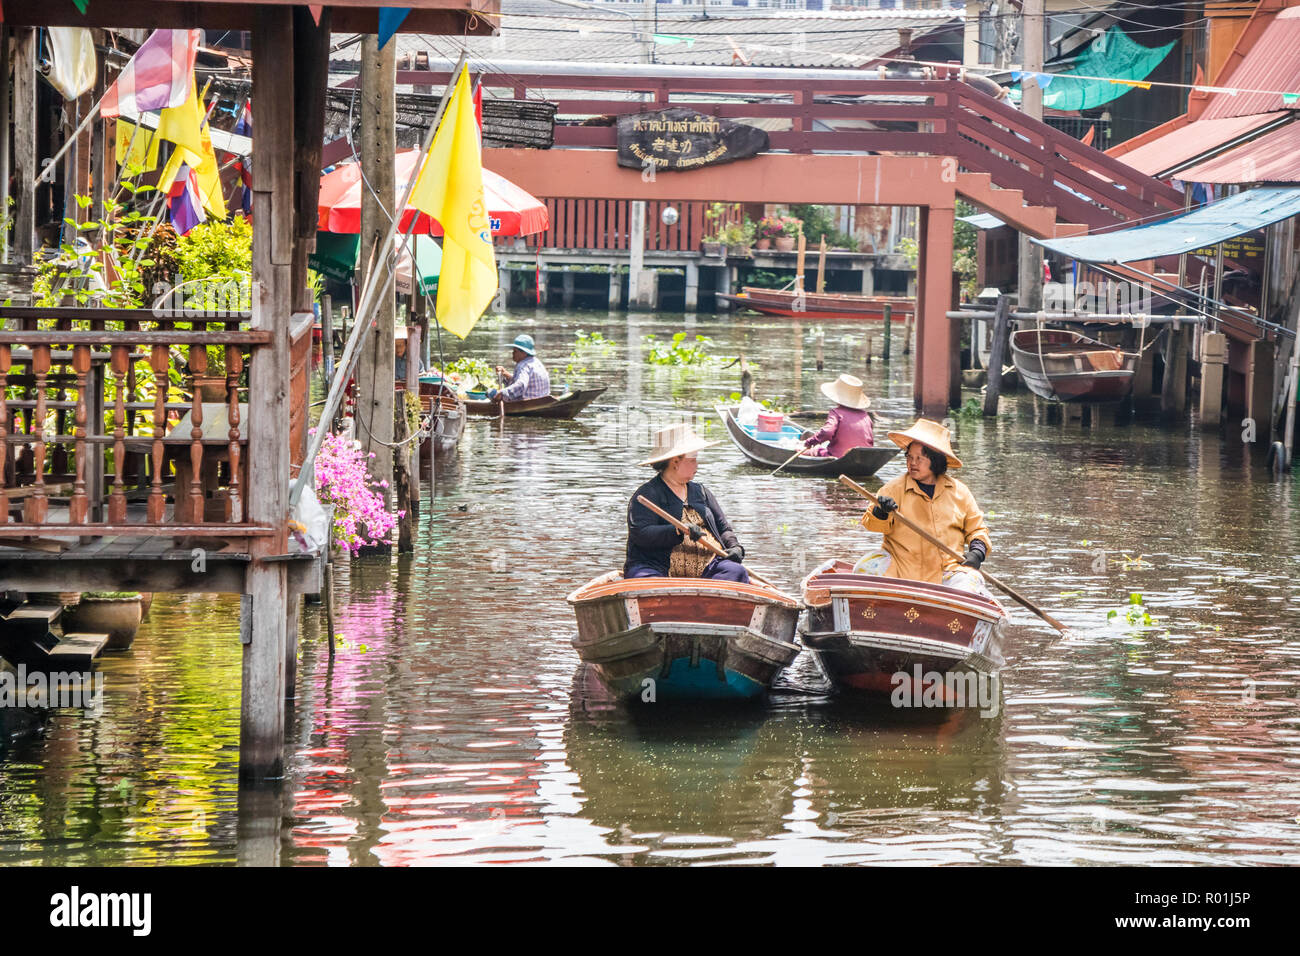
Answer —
(715, 222)
(738, 236)
(770, 228)
(790, 229)
(115, 613)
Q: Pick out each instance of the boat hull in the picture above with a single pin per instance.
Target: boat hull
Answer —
(656, 639)
(858, 463)
(821, 305)
(566, 406)
(1065, 366)
(449, 424)
(865, 630)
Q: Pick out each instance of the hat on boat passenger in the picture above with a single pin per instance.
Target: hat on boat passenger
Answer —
(400, 333)
(846, 390)
(930, 434)
(673, 441)
(524, 343)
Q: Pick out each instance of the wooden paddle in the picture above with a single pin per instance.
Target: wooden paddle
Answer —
(1015, 595)
(799, 452)
(680, 526)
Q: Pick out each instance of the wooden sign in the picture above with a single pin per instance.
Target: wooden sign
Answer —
(681, 139)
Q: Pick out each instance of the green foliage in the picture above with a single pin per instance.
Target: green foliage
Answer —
(817, 222)
(911, 252)
(965, 260)
(471, 374)
(762, 279)
(681, 352)
(971, 409)
(112, 595)
(591, 342)
(112, 275)
(1133, 613)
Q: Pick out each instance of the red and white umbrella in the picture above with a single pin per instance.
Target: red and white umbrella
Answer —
(511, 210)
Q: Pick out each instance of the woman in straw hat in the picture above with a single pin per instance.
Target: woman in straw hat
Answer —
(935, 500)
(657, 549)
(848, 423)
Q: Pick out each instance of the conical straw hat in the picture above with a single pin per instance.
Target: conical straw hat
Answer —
(846, 390)
(931, 435)
(673, 441)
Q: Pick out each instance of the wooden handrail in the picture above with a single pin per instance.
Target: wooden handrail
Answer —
(157, 337)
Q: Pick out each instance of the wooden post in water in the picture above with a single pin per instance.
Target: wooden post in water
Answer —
(889, 325)
(907, 335)
(800, 283)
(821, 267)
(871, 346)
(821, 349)
(997, 356)
(1173, 388)
(327, 340)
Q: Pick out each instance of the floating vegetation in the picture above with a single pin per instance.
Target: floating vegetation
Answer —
(592, 342)
(1134, 614)
(681, 353)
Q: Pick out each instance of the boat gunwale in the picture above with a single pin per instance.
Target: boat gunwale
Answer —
(878, 586)
(603, 587)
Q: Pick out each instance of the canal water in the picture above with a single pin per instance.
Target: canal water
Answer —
(456, 727)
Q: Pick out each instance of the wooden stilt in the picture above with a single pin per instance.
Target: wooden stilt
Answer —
(24, 145)
(997, 356)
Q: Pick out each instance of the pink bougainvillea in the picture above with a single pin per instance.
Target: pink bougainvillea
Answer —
(360, 518)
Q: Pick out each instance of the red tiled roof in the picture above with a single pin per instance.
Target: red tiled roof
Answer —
(1272, 158)
(1194, 139)
(1271, 64)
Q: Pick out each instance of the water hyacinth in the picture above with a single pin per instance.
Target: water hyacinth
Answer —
(360, 518)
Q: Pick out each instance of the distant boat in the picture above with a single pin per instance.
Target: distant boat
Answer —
(775, 447)
(1064, 366)
(567, 405)
(684, 638)
(821, 305)
(449, 423)
(864, 629)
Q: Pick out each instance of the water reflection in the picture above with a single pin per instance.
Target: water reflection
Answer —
(455, 726)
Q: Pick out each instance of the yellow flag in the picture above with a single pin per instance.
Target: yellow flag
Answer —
(138, 149)
(187, 127)
(450, 189)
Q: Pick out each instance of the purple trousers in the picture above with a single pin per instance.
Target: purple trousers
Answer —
(719, 569)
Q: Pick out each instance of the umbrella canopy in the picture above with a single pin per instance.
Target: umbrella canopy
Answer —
(336, 257)
(511, 210)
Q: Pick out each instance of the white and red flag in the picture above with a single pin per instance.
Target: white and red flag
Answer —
(158, 76)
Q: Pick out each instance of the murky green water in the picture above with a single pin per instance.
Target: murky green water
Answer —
(453, 726)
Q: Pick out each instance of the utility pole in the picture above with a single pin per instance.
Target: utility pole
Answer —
(375, 370)
(1031, 104)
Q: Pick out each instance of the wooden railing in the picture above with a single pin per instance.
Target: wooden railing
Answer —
(124, 422)
(606, 224)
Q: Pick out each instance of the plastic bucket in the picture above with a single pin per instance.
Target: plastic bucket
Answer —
(768, 422)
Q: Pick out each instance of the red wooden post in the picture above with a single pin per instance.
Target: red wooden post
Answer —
(79, 505)
(117, 500)
(36, 508)
(934, 352)
(160, 362)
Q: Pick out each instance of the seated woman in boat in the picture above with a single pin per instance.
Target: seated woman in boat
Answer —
(529, 379)
(848, 423)
(936, 501)
(654, 547)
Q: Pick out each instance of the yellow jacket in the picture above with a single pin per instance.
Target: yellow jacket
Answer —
(952, 516)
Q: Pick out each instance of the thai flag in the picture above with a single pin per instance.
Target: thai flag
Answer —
(185, 203)
(244, 127)
(157, 77)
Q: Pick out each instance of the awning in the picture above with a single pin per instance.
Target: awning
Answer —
(983, 220)
(1197, 229)
(1196, 139)
(1115, 55)
(1272, 158)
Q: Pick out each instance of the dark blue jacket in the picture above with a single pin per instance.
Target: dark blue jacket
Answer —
(650, 539)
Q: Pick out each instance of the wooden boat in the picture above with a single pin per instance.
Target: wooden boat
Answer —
(1064, 366)
(450, 421)
(770, 449)
(684, 638)
(823, 305)
(567, 405)
(864, 629)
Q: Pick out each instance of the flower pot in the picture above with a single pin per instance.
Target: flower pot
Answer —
(784, 244)
(762, 245)
(712, 248)
(738, 249)
(119, 618)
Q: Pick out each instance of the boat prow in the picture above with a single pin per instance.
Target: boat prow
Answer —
(865, 630)
(655, 639)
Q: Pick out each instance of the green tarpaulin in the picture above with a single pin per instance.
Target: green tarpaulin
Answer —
(1113, 55)
(336, 258)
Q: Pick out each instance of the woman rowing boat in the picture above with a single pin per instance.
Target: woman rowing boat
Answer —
(935, 500)
(848, 423)
(654, 547)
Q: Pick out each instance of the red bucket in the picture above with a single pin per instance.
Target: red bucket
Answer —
(769, 422)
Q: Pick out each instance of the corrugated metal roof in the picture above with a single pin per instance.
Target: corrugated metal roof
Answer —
(546, 31)
(1273, 63)
(1197, 229)
(1272, 158)
(1195, 139)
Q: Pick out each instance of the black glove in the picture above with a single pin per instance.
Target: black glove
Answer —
(695, 531)
(736, 554)
(884, 505)
(974, 556)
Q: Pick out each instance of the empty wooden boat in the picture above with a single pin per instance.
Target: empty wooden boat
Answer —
(656, 639)
(548, 406)
(822, 305)
(448, 411)
(770, 449)
(863, 629)
(1065, 366)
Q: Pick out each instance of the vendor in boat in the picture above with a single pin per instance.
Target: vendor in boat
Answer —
(848, 423)
(529, 379)
(933, 499)
(654, 547)
(399, 355)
